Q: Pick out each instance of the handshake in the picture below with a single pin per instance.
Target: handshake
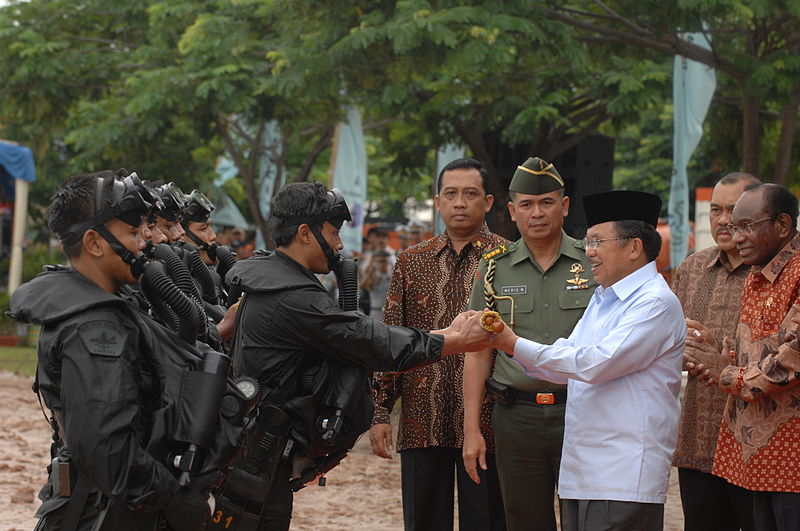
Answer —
(472, 331)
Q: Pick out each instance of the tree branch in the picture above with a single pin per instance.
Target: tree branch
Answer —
(671, 45)
(622, 19)
(321, 145)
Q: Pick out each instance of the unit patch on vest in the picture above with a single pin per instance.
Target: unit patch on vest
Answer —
(103, 338)
(514, 290)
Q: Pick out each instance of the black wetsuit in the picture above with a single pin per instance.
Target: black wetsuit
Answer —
(112, 377)
(313, 359)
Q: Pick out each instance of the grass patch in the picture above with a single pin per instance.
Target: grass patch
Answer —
(20, 360)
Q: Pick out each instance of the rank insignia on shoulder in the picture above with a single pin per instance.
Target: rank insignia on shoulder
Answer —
(498, 251)
(579, 245)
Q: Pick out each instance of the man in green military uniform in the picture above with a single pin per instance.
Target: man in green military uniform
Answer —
(542, 284)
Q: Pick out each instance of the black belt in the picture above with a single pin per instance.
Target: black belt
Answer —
(544, 398)
(507, 395)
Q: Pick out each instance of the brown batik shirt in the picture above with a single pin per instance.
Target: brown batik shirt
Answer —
(759, 441)
(710, 291)
(430, 286)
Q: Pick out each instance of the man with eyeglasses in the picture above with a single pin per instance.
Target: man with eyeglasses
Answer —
(542, 284)
(709, 285)
(622, 365)
(757, 448)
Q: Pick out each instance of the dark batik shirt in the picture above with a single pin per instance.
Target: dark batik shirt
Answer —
(430, 286)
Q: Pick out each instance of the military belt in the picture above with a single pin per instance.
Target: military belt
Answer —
(508, 395)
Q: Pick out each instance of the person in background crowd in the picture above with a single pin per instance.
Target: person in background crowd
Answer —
(404, 237)
(377, 240)
(416, 233)
(757, 447)
(541, 283)
(376, 282)
(709, 285)
(622, 363)
(429, 287)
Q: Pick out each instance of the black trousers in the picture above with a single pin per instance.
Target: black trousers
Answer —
(276, 514)
(528, 438)
(607, 515)
(776, 511)
(710, 503)
(428, 477)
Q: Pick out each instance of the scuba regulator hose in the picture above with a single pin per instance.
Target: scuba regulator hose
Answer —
(226, 261)
(156, 284)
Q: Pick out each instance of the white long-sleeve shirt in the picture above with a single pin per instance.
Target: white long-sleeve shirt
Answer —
(622, 364)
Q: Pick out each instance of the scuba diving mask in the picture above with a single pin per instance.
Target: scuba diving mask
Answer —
(335, 212)
(172, 198)
(198, 208)
(124, 201)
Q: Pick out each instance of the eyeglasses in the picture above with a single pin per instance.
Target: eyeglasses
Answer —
(745, 229)
(593, 244)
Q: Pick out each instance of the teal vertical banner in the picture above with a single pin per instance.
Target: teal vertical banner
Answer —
(692, 90)
(350, 176)
(226, 212)
(444, 156)
(268, 170)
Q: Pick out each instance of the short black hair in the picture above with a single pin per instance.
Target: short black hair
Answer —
(739, 176)
(778, 199)
(74, 202)
(634, 228)
(296, 199)
(464, 164)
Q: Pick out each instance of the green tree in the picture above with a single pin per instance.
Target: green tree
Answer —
(755, 47)
(165, 87)
(493, 75)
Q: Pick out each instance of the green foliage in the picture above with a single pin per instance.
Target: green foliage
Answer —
(164, 87)
(755, 53)
(21, 360)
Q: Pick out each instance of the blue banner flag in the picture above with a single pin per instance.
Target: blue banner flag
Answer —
(350, 176)
(692, 90)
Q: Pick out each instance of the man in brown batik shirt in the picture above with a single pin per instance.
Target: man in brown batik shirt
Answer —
(431, 284)
(709, 285)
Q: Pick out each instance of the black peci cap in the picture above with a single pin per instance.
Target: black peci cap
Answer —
(621, 205)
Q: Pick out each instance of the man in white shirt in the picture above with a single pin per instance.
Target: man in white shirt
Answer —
(622, 364)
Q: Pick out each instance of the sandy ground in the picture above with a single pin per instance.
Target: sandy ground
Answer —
(362, 494)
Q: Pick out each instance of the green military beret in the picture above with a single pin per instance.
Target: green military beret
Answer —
(535, 177)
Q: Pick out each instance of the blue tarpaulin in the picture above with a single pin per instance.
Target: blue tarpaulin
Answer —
(16, 162)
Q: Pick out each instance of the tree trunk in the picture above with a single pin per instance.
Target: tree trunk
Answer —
(246, 174)
(783, 158)
(324, 142)
(751, 142)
